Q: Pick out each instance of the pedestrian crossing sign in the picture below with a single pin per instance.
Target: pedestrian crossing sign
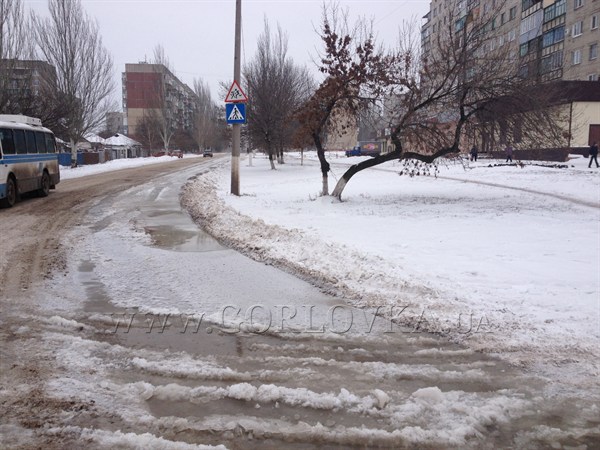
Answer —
(235, 113)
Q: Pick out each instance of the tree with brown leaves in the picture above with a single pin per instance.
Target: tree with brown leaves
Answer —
(435, 101)
(355, 71)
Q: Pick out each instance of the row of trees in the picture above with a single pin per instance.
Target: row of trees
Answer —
(73, 97)
(464, 86)
(437, 99)
(74, 91)
(277, 88)
(159, 126)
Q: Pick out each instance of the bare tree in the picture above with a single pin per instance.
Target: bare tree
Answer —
(276, 88)
(161, 116)
(147, 130)
(71, 42)
(160, 57)
(205, 120)
(15, 45)
(353, 67)
(465, 83)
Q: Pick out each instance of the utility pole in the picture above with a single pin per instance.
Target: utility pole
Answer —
(235, 146)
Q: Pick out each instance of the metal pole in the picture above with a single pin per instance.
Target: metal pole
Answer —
(235, 146)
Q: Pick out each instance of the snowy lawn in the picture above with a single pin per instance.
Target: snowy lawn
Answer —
(503, 259)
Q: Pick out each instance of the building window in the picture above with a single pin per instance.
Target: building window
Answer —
(502, 18)
(553, 36)
(552, 62)
(512, 13)
(577, 28)
(578, 4)
(593, 51)
(576, 57)
(526, 4)
(553, 11)
(594, 22)
(593, 77)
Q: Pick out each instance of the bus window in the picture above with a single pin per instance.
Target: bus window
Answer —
(50, 143)
(40, 142)
(30, 136)
(20, 145)
(8, 145)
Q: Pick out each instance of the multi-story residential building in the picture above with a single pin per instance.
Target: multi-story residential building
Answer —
(151, 90)
(114, 122)
(20, 79)
(548, 41)
(554, 39)
(582, 37)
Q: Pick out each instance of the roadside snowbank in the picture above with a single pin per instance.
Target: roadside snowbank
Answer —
(510, 270)
(67, 173)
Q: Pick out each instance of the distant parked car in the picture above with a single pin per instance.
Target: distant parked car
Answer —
(207, 152)
(355, 151)
(177, 153)
(372, 148)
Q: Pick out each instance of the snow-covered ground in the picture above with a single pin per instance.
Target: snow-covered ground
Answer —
(507, 270)
(67, 173)
(505, 259)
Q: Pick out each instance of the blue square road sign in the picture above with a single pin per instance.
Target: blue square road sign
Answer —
(235, 113)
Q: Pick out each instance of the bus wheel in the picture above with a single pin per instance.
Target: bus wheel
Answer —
(44, 190)
(11, 193)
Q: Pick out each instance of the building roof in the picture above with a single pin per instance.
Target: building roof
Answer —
(573, 91)
(120, 140)
(94, 139)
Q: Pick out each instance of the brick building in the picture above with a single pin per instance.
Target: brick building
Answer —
(151, 90)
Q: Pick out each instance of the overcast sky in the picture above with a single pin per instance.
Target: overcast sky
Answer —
(198, 35)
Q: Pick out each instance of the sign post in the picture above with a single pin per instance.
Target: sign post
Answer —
(236, 109)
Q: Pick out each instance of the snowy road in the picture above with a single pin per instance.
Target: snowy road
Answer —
(147, 333)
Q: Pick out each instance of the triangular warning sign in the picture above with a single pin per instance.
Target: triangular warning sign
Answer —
(235, 114)
(235, 94)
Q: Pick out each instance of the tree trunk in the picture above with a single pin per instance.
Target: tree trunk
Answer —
(302, 157)
(73, 153)
(271, 154)
(324, 164)
(271, 161)
(396, 154)
(343, 181)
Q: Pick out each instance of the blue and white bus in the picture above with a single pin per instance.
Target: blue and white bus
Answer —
(28, 160)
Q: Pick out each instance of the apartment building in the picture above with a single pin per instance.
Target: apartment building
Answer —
(25, 78)
(582, 36)
(554, 39)
(548, 41)
(151, 90)
(114, 122)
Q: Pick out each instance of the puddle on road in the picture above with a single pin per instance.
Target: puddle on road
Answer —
(172, 237)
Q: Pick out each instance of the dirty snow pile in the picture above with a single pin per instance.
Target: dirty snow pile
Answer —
(505, 259)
